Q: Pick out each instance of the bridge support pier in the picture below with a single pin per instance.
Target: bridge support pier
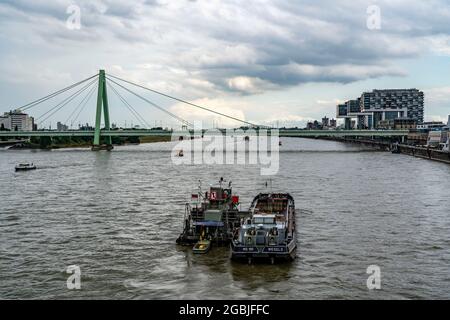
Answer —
(106, 147)
(102, 104)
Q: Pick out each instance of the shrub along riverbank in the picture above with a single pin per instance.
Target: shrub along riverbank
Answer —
(48, 143)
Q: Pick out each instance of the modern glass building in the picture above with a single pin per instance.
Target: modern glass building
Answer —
(381, 105)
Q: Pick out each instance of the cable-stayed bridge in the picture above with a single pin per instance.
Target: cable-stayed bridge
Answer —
(102, 135)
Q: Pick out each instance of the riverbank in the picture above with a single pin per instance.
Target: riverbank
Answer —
(392, 146)
(66, 143)
(424, 153)
(382, 145)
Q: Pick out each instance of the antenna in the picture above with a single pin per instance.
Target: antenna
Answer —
(266, 184)
(200, 188)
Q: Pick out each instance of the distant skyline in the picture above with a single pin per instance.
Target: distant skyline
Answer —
(262, 61)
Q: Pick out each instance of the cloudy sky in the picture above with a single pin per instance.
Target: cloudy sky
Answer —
(262, 61)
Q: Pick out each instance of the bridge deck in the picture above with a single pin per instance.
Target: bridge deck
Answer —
(146, 133)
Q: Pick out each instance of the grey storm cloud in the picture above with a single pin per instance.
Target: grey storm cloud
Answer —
(244, 46)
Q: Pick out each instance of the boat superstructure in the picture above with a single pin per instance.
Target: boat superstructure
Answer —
(270, 230)
(211, 215)
(25, 167)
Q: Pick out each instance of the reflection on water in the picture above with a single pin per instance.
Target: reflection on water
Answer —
(117, 215)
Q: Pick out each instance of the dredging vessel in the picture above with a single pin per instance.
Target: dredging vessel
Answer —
(269, 232)
(212, 217)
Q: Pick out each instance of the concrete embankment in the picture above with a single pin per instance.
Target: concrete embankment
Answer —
(383, 145)
(425, 153)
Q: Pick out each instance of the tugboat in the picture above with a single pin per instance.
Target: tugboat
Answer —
(270, 231)
(211, 216)
(25, 167)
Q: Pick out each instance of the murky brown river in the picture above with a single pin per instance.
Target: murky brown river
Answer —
(117, 215)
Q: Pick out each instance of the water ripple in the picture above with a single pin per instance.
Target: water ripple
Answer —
(117, 215)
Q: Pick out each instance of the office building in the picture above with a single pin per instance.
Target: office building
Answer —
(333, 123)
(433, 125)
(398, 124)
(5, 122)
(17, 121)
(61, 127)
(381, 105)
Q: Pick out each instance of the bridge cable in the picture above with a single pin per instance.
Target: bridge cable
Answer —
(189, 103)
(130, 107)
(39, 101)
(68, 99)
(63, 103)
(84, 100)
(153, 104)
(81, 110)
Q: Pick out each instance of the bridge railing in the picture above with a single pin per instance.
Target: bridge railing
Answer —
(144, 133)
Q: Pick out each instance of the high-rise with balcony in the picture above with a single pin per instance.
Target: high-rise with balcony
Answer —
(380, 105)
(395, 100)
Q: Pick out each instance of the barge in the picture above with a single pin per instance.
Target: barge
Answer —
(270, 232)
(211, 216)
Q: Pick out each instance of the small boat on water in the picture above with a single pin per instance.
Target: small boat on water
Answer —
(270, 231)
(202, 247)
(25, 167)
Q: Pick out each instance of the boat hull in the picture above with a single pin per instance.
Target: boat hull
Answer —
(270, 232)
(25, 169)
(286, 253)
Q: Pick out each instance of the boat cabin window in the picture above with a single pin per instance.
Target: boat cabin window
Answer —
(263, 220)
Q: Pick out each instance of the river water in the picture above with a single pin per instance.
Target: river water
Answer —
(117, 215)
